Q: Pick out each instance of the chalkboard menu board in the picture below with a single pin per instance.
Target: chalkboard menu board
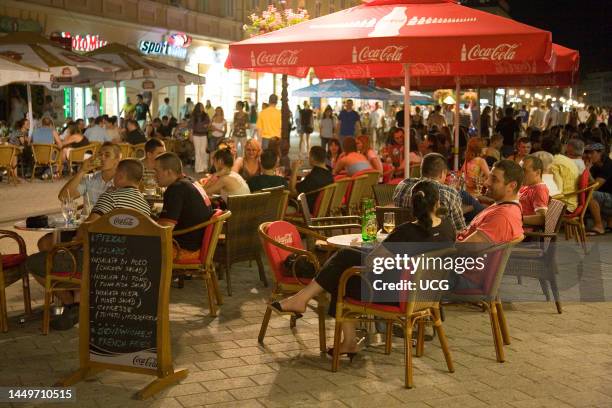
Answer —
(124, 279)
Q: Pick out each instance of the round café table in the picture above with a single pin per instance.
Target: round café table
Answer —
(354, 241)
(56, 227)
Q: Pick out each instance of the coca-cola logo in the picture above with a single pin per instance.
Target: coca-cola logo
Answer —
(502, 52)
(147, 362)
(350, 72)
(390, 53)
(286, 57)
(508, 67)
(124, 221)
(429, 69)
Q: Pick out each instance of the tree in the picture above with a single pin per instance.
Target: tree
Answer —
(273, 19)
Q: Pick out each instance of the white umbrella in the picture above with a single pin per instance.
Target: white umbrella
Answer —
(12, 71)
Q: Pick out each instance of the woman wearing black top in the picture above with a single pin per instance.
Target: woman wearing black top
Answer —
(429, 230)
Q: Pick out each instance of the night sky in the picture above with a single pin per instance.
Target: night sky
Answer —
(585, 25)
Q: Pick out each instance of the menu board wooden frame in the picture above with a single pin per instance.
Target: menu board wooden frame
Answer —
(131, 223)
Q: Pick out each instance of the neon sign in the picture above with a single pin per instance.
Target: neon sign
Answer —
(85, 43)
(162, 48)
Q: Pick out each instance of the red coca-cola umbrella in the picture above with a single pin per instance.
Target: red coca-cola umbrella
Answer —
(383, 38)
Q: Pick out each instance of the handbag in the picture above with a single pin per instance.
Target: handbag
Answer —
(38, 221)
(303, 267)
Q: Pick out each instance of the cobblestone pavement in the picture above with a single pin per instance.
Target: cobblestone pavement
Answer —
(553, 360)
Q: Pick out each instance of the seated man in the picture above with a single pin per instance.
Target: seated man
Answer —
(97, 132)
(533, 196)
(153, 148)
(134, 134)
(268, 178)
(601, 204)
(319, 176)
(125, 195)
(433, 167)
(499, 223)
(185, 204)
(575, 150)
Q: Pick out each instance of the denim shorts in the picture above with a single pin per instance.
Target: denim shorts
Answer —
(605, 202)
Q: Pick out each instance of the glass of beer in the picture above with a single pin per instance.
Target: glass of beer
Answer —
(389, 222)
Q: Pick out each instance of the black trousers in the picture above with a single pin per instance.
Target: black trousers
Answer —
(329, 276)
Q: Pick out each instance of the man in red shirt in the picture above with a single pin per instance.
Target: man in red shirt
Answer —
(497, 224)
(533, 196)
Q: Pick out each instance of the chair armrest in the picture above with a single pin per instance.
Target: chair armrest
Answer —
(536, 234)
(312, 257)
(346, 275)
(203, 225)
(349, 219)
(59, 248)
(310, 233)
(575, 193)
(17, 238)
(334, 227)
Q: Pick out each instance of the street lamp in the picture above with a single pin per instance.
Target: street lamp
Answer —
(522, 92)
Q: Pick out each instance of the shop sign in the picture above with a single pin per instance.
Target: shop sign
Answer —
(179, 40)
(162, 48)
(86, 42)
(148, 84)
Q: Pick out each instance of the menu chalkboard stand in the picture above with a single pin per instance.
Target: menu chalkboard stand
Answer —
(126, 258)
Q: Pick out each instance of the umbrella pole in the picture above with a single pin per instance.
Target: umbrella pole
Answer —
(494, 111)
(477, 124)
(30, 114)
(456, 127)
(406, 120)
(117, 97)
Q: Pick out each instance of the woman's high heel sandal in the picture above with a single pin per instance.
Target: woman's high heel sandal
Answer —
(276, 306)
(351, 356)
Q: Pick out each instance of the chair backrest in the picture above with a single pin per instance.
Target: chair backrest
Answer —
(402, 215)
(43, 153)
(279, 197)
(337, 201)
(323, 201)
(241, 229)
(495, 266)
(7, 154)
(372, 179)
(211, 236)
(169, 143)
(383, 194)
(125, 150)
(137, 151)
(433, 270)
(356, 192)
(553, 219)
(304, 209)
(78, 154)
(583, 183)
(278, 232)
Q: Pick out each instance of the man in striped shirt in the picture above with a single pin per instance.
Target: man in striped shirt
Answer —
(125, 195)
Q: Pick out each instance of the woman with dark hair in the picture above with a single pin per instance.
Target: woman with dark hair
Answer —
(428, 230)
(352, 161)
(74, 138)
(225, 182)
(334, 151)
(327, 126)
(485, 122)
(199, 122)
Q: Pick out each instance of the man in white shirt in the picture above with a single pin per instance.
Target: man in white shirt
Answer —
(97, 133)
(186, 109)
(536, 117)
(552, 116)
(92, 109)
(377, 123)
(165, 109)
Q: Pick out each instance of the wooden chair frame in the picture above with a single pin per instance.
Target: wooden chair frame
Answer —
(55, 283)
(281, 290)
(43, 157)
(326, 193)
(77, 155)
(416, 312)
(135, 149)
(491, 302)
(336, 205)
(206, 268)
(360, 183)
(17, 272)
(7, 155)
(383, 194)
(574, 226)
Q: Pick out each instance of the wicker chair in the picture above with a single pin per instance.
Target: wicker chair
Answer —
(342, 224)
(12, 269)
(360, 183)
(285, 284)
(372, 179)
(279, 196)
(574, 222)
(487, 298)
(338, 202)
(203, 265)
(77, 155)
(137, 151)
(45, 155)
(417, 306)
(383, 194)
(538, 261)
(321, 207)
(169, 143)
(60, 281)
(125, 150)
(240, 234)
(7, 157)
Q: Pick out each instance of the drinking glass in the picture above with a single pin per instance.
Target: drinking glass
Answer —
(150, 185)
(69, 211)
(389, 222)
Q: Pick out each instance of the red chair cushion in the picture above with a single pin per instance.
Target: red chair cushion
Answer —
(66, 274)
(395, 181)
(192, 261)
(376, 306)
(286, 234)
(205, 239)
(387, 172)
(317, 205)
(582, 184)
(12, 260)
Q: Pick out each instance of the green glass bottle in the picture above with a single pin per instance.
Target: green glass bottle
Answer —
(368, 221)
